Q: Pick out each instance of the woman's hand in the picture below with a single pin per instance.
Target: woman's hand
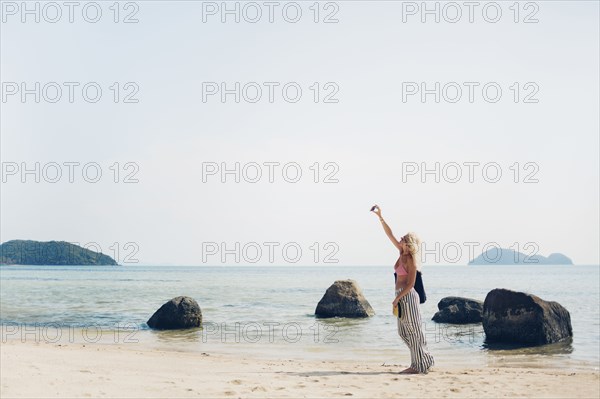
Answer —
(395, 302)
(377, 210)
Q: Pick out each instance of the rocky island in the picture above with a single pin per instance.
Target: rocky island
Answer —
(504, 256)
(27, 252)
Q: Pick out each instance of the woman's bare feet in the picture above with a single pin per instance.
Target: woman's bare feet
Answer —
(409, 370)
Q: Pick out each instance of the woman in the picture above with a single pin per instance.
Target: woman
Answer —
(407, 300)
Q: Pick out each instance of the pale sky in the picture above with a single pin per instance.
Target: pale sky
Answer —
(368, 57)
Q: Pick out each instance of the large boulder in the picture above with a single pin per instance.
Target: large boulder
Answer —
(457, 310)
(524, 319)
(344, 298)
(180, 312)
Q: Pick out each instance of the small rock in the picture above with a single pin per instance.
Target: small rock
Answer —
(180, 312)
(344, 298)
(458, 310)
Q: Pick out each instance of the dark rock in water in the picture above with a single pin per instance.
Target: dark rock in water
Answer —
(524, 319)
(457, 310)
(179, 312)
(344, 299)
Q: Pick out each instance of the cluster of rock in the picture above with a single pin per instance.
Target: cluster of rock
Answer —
(510, 317)
(343, 298)
(507, 316)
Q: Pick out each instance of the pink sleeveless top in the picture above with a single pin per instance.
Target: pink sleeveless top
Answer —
(399, 267)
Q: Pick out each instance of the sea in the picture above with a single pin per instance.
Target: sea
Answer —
(270, 311)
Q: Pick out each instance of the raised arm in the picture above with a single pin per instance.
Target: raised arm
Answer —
(386, 228)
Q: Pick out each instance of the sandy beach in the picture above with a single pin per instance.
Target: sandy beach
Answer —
(30, 369)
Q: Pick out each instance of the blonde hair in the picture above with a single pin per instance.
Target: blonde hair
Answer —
(413, 244)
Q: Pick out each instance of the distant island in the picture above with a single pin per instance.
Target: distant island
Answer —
(26, 252)
(504, 256)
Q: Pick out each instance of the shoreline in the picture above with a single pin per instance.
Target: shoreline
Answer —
(116, 370)
(196, 341)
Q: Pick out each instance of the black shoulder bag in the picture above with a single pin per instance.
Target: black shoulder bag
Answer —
(419, 288)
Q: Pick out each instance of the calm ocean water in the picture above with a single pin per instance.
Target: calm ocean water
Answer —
(275, 306)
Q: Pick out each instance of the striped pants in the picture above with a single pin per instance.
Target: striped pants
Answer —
(411, 332)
